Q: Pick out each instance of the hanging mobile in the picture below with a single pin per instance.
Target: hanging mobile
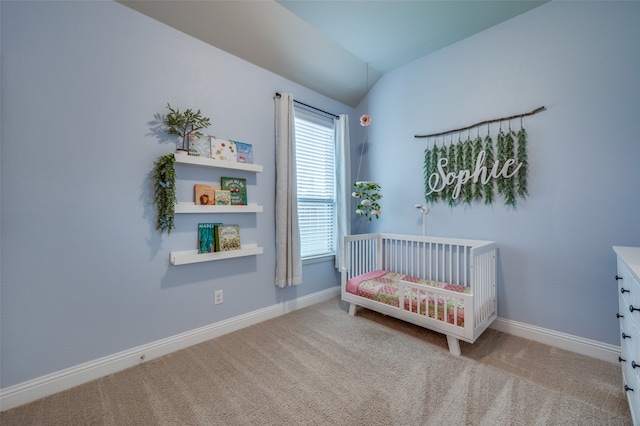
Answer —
(368, 192)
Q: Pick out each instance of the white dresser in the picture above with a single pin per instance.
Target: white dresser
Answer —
(628, 278)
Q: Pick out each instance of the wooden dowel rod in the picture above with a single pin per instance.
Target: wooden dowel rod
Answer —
(542, 108)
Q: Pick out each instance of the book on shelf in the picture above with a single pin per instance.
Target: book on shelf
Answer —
(205, 194)
(200, 146)
(223, 149)
(244, 152)
(237, 187)
(222, 197)
(207, 237)
(227, 237)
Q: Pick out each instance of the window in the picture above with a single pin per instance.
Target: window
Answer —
(315, 160)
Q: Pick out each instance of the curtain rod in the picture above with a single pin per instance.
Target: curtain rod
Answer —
(537, 110)
(312, 107)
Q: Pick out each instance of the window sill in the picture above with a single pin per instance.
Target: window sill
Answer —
(316, 259)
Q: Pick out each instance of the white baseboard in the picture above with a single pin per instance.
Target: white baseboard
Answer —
(40, 387)
(568, 342)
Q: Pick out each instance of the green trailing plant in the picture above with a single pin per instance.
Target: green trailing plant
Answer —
(369, 195)
(521, 181)
(185, 124)
(165, 192)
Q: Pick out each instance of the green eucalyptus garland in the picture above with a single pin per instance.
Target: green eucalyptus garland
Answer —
(452, 169)
(489, 193)
(509, 185)
(468, 165)
(435, 157)
(427, 174)
(165, 192)
(521, 181)
(477, 187)
(501, 155)
(460, 166)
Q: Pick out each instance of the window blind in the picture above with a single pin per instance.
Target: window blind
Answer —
(315, 161)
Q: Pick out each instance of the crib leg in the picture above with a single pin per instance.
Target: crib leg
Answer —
(454, 345)
(352, 309)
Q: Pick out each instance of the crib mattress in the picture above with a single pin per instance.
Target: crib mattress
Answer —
(383, 286)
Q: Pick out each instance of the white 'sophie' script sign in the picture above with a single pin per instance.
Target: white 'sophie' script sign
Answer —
(441, 179)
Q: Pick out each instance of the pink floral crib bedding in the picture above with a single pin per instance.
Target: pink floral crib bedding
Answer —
(382, 286)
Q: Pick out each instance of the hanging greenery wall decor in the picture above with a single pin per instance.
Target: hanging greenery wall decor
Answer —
(165, 192)
(467, 171)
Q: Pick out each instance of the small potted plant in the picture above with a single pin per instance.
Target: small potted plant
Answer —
(369, 194)
(185, 124)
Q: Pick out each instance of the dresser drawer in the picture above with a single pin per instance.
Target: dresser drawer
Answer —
(628, 280)
(631, 387)
(628, 287)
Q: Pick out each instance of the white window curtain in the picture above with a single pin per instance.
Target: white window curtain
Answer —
(343, 187)
(288, 260)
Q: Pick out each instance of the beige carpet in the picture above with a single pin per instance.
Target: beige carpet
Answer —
(319, 366)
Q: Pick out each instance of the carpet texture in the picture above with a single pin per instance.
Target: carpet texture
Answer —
(319, 366)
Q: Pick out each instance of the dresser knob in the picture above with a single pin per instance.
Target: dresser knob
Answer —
(634, 365)
(627, 388)
(631, 309)
(620, 359)
(619, 316)
(626, 336)
(618, 277)
(624, 290)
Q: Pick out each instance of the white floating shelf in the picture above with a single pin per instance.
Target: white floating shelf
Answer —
(209, 162)
(193, 208)
(192, 256)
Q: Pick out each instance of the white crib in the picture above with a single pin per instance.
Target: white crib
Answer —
(443, 284)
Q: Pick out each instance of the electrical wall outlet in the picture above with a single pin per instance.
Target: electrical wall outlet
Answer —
(217, 297)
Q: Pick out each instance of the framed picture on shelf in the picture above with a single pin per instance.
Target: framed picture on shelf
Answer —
(205, 195)
(237, 187)
(227, 237)
(223, 150)
(200, 146)
(244, 152)
(207, 237)
(223, 197)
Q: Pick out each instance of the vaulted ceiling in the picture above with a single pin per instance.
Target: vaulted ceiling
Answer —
(334, 47)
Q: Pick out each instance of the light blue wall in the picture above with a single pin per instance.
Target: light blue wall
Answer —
(85, 275)
(84, 272)
(581, 61)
